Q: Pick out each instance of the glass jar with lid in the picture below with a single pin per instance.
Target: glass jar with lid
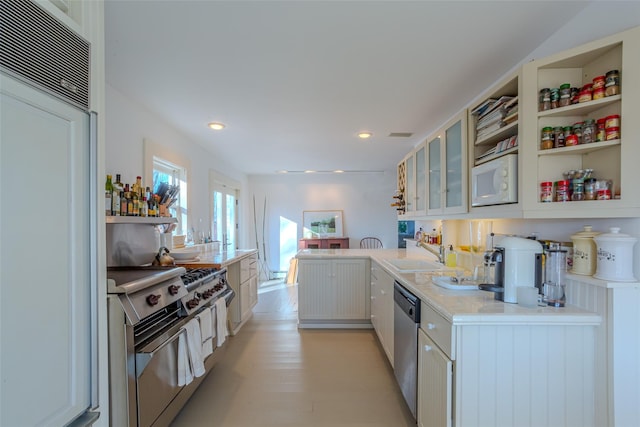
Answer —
(565, 95)
(545, 99)
(589, 131)
(546, 138)
(578, 190)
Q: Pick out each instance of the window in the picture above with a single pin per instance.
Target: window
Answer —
(162, 164)
(171, 174)
(224, 211)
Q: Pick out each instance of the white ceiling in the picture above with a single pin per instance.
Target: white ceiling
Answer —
(294, 81)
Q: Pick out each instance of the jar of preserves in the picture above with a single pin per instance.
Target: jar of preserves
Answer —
(577, 131)
(589, 131)
(584, 96)
(611, 133)
(612, 83)
(598, 82)
(590, 189)
(604, 194)
(600, 130)
(612, 121)
(558, 137)
(555, 97)
(598, 93)
(545, 99)
(546, 138)
(575, 92)
(565, 95)
(562, 191)
(546, 192)
(571, 140)
(578, 190)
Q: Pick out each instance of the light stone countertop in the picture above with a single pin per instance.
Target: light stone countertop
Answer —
(460, 307)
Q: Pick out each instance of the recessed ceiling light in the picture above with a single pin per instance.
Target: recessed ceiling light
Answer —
(309, 171)
(216, 125)
(338, 171)
(365, 135)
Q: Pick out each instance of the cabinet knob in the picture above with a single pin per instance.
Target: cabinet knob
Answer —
(431, 326)
(427, 348)
(504, 185)
(383, 292)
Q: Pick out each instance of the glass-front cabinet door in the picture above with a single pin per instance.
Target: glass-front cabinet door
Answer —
(455, 159)
(435, 176)
(421, 180)
(447, 160)
(410, 197)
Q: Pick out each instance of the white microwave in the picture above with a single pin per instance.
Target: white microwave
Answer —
(495, 182)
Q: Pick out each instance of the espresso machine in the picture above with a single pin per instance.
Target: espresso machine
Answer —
(516, 262)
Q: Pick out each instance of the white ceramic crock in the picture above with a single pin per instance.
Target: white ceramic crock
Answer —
(584, 251)
(615, 256)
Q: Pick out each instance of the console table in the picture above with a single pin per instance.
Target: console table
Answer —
(324, 243)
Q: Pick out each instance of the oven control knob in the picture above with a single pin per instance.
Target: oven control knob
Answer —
(153, 299)
(193, 303)
(173, 289)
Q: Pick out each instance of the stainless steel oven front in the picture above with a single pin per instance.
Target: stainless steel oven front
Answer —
(148, 309)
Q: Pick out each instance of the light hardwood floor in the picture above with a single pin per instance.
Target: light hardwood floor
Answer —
(273, 374)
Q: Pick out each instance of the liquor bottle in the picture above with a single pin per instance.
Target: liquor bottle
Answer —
(123, 204)
(144, 208)
(115, 198)
(108, 194)
(127, 195)
(137, 187)
(136, 204)
(152, 207)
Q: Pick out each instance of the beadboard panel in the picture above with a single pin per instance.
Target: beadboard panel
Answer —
(617, 347)
(524, 376)
(351, 287)
(315, 290)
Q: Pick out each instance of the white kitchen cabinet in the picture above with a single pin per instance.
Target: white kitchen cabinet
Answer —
(447, 177)
(333, 292)
(617, 343)
(382, 307)
(613, 159)
(435, 384)
(505, 373)
(414, 176)
(499, 140)
(243, 278)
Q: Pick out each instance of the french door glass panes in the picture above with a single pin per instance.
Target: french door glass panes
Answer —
(224, 222)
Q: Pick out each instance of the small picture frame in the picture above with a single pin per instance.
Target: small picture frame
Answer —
(321, 224)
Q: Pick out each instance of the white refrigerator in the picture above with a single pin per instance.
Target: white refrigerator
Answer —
(48, 339)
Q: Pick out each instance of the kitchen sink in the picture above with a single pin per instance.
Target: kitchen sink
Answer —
(409, 265)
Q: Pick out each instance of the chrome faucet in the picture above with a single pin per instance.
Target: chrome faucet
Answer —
(437, 252)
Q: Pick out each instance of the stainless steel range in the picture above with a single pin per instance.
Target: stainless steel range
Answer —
(149, 308)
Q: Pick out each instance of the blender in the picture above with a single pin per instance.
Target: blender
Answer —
(554, 278)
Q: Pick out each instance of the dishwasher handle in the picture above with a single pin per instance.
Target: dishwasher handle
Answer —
(407, 302)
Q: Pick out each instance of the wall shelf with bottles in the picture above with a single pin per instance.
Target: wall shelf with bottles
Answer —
(140, 220)
(610, 159)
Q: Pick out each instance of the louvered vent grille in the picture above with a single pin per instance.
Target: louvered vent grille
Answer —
(37, 47)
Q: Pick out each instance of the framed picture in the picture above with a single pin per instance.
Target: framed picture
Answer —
(319, 224)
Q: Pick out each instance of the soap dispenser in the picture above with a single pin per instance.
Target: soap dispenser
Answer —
(451, 259)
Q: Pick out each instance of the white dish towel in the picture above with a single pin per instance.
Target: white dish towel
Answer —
(221, 321)
(185, 376)
(204, 317)
(194, 344)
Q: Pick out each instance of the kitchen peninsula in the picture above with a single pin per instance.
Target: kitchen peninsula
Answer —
(481, 361)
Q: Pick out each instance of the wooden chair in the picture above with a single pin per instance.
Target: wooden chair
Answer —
(370, 243)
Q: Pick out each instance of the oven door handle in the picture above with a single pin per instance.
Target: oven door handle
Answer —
(143, 358)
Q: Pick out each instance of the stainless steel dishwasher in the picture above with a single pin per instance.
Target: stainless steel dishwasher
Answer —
(406, 320)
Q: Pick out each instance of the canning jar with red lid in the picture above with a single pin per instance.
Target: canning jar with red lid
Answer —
(598, 82)
(562, 191)
(546, 192)
(612, 121)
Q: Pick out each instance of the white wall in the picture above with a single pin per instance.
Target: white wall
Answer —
(128, 124)
(364, 199)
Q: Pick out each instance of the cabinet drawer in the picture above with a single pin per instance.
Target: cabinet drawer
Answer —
(248, 268)
(439, 329)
